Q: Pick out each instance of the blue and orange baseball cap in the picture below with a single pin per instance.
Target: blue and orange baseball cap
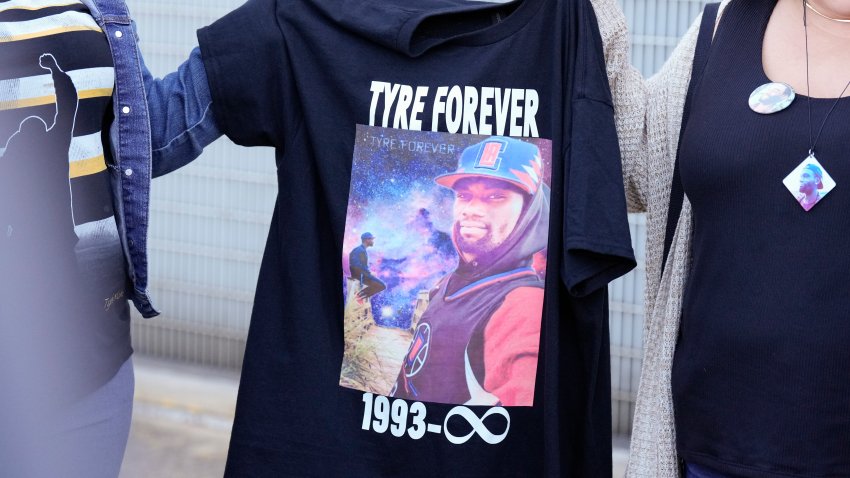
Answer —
(502, 158)
(817, 172)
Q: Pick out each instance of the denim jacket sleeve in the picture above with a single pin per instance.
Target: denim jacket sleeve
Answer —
(182, 120)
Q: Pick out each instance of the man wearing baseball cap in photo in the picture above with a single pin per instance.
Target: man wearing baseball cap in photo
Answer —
(481, 330)
(358, 261)
(811, 183)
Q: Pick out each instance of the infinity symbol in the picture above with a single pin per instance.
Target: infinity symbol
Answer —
(477, 425)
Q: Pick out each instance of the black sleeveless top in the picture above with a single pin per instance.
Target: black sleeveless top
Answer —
(760, 374)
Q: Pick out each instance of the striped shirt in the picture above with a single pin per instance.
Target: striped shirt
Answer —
(56, 84)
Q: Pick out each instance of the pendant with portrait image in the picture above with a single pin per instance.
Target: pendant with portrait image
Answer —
(809, 182)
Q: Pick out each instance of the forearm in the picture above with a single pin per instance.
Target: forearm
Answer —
(66, 95)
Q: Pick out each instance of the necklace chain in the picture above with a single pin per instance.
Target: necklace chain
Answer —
(810, 7)
(814, 141)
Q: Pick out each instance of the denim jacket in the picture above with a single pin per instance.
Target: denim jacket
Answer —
(159, 126)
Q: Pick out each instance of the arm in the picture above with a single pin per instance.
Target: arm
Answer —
(648, 113)
(242, 66)
(648, 117)
(66, 98)
(182, 120)
(512, 345)
(359, 261)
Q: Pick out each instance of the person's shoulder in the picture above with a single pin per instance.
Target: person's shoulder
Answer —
(522, 296)
(527, 291)
(519, 313)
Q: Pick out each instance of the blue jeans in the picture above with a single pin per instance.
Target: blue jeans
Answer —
(371, 286)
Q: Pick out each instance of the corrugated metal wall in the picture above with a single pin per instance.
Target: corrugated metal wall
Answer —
(209, 220)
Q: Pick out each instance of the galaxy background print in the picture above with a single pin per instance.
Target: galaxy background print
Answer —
(394, 197)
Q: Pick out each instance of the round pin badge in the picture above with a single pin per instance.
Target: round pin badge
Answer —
(771, 98)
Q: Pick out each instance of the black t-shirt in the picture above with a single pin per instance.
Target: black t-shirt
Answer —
(64, 316)
(759, 383)
(476, 143)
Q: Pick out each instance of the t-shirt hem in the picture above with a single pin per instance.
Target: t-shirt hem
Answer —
(744, 471)
(249, 458)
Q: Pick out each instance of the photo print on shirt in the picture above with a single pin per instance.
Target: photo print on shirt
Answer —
(444, 259)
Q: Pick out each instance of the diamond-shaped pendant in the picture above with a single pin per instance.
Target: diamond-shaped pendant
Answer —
(809, 182)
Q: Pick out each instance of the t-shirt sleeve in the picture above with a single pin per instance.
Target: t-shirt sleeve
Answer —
(244, 58)
(597, 242)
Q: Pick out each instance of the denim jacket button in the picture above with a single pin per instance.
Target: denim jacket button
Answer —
(125, 110)
(128, 172)
(119, 34)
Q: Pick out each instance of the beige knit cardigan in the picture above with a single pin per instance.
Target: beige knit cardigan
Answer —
(648, 115)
